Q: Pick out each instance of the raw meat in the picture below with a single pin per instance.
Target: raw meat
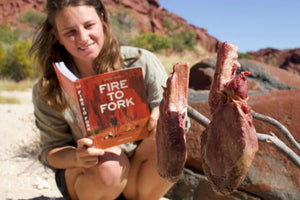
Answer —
(229, 143)
(170, 136)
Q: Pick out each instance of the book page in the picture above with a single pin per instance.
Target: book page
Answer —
(63, 68)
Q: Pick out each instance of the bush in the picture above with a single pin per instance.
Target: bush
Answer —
(17, 63)
(32, 18)
(183, 40)
(2, 56)
(246, 56)
(152, 42)
(7, 36)
(3, 59)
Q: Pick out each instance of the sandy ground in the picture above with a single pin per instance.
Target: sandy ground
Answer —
(21, 174)
(22, 177)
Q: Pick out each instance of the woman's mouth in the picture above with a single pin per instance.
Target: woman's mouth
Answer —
(85, 47)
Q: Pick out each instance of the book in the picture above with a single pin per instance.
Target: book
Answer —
(110, 108)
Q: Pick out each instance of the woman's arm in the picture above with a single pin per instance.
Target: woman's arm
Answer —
(58, 148)
(68, 156)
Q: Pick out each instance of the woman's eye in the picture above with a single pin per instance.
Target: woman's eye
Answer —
(70, 33)
(89, 26)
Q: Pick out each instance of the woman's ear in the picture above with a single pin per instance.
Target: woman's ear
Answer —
(57, 37)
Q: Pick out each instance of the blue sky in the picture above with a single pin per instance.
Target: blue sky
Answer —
(249, 24)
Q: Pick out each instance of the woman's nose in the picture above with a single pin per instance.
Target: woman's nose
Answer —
(83, 36)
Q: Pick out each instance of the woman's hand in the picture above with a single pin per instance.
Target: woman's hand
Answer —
(154, 116)
(86, 154)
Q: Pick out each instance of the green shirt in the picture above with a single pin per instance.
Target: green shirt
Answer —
(58, 129)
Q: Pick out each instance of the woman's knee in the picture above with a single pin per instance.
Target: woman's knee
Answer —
(112, 168)
(112, 172)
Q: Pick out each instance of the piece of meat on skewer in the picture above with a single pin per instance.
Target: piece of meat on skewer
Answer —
(229, 143)
(170, 136)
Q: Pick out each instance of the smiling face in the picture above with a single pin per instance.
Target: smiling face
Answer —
(80, 30)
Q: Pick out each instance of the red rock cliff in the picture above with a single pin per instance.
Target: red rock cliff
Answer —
(148, 15)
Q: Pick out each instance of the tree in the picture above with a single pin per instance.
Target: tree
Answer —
(18, 64)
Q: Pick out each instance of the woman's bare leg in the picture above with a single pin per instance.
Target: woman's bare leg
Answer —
(144, 183)
(105, 181)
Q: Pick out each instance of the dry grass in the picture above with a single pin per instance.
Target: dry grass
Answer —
(169, 59)
(9, 100)
(10, 85)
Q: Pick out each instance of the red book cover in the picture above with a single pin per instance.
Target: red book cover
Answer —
(111, 108)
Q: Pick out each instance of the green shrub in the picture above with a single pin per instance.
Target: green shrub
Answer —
(7, 36)
(32, 18)
(246, 56)
(152, 42)
(170, 27)
(183, 40)
(2, 56)
(18, 64)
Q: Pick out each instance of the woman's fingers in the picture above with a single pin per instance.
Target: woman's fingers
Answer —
(87, 155)
(153, 121)
(84, 143)
(153, 118)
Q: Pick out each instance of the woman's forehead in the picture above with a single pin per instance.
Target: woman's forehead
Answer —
(73, 15)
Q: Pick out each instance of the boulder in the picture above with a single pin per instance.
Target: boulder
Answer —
(263, 77)
(195, 186)
(201, 74)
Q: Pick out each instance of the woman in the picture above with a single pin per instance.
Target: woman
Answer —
(78, 32)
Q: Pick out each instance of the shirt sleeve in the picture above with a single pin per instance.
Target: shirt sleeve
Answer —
(54, 130)
(155, 78)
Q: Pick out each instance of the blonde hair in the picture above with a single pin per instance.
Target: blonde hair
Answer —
(46, 49)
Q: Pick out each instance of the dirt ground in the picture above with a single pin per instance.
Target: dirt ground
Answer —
(21, 174)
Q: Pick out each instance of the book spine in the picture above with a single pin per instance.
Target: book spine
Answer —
(83, 111)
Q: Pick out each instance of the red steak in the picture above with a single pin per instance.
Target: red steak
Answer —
(170, 136)
(229, 143)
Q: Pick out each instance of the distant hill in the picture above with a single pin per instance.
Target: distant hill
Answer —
(286, 59)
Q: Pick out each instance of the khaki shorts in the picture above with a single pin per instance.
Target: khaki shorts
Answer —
(129, 148)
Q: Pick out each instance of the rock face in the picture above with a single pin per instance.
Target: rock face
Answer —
(149, 16)
(285, 59)
(9, 9)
